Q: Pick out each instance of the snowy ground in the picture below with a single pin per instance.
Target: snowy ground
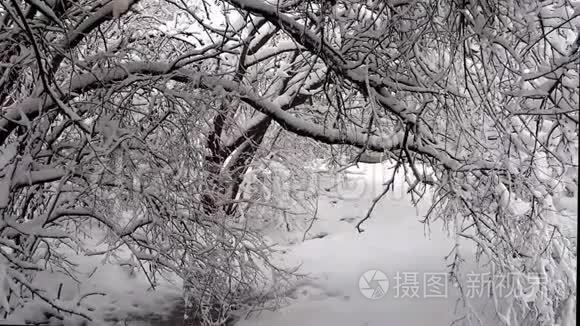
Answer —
(334, 257)
(129, 294)
(394, 242)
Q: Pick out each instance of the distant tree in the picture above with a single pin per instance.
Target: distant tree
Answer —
(137, 121)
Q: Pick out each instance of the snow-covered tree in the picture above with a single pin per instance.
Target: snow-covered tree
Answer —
(136, 122)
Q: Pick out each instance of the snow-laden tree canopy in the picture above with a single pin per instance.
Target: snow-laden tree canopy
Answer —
(135, 122)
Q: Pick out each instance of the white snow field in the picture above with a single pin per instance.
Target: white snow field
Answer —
(394, 241)
(129, 294)
(334, 256)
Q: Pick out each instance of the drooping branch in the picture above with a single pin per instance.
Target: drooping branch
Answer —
(358, 138)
